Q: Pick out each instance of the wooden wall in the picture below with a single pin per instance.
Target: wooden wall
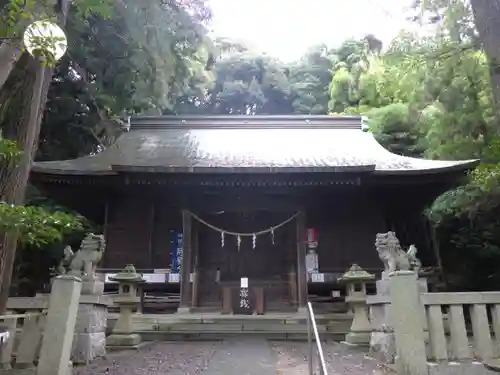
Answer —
(128, 234)
(167, 222)
(141, 232)
(346, 232)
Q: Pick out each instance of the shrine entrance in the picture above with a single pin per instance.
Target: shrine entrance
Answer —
(258, 245)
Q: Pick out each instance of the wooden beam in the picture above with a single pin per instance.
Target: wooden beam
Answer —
(187, 251)
(301, 261)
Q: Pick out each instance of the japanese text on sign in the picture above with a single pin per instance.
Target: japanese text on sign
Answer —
(244, 298)
(177, 251)
(317, 278)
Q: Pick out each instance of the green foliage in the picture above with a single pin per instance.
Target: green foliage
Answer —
(9, 152)
(310, 79)
(432, 97)
(36, 225)
(394, 127)
(474, 200)
(141, 57)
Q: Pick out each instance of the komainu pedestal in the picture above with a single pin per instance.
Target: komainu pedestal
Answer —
(394, 258)
(89, 341)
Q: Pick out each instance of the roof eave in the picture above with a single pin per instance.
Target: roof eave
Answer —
(240, 170)
(461, 167)
(71, 172)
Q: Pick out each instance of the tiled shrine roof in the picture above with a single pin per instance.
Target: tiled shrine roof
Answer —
(247, 144)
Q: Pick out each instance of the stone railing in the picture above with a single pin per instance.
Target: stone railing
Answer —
(45, 332)
(451, 341)
(456, 326)
(21, 347)
(41, 302)
(27, 304)
(414, 327)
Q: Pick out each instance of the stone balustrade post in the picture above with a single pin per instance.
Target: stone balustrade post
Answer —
(408, 324)
(60, 326)
(31, 338)
(7, 343)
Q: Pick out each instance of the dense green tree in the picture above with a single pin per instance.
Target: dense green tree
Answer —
(310, 79)
(124, 57)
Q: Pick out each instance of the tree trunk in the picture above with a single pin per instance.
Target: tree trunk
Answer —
(487, 20)
(33, 101)
(10, 53)
(20, 113)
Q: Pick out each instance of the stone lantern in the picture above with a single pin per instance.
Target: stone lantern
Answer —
(355, 279)
(128, 301)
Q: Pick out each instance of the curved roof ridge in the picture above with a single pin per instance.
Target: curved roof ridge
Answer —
(245, 122)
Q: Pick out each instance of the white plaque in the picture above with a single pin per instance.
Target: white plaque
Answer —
(153, 278)
(173, 277)
(317, 278)
(336, 293)
(161, 270)
(244, 282)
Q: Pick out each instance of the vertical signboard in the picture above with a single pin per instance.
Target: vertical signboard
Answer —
(177, 250)
(244, 306)
(312, 263)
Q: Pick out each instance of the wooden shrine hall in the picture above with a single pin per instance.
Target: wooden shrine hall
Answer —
(285, 201)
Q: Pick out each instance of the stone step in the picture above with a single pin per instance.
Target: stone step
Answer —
(331, 324)
(250, 327)
(218, 336)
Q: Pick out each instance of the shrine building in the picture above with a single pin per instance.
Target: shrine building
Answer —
(203, 201)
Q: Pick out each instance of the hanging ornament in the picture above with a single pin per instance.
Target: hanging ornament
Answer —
(221, 239)
(238, 242)
(254, 240)
(272, 236)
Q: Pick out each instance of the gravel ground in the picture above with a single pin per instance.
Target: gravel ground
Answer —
(173, 358)
(459, 369)
(340, 359)
(243, 357)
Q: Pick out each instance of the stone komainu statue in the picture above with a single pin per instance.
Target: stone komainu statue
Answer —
(392, 255)
(83, 263)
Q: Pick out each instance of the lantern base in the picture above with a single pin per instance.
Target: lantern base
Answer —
(358, 338)
(117, 341)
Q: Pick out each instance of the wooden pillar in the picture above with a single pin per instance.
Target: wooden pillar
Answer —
(187, 251)
(196, 268)
(105, 262)
(301, 262)
(151, 249)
